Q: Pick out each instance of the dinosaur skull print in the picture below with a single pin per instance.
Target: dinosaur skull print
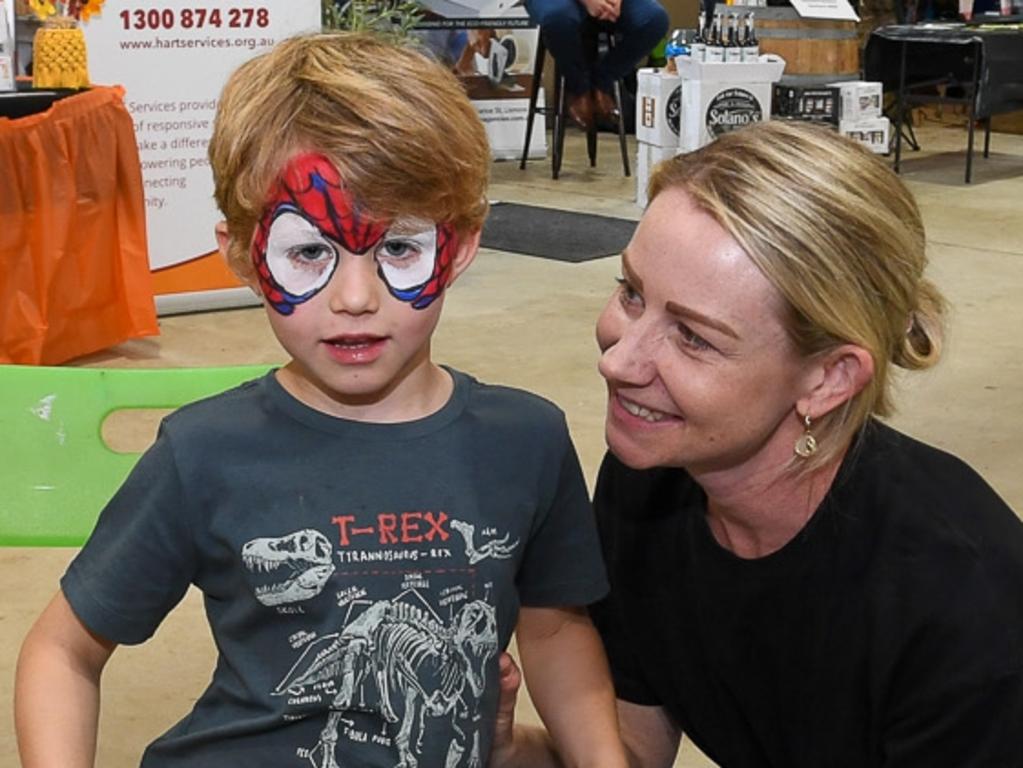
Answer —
(312, 218)
(300, 562)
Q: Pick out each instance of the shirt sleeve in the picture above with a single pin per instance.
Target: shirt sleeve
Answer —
(562, 565)
(140, 559)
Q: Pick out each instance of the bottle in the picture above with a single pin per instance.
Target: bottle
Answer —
(733, 45)
(698, 45)
(676, 45)
(714, 53)
(750, 44)
(6, 50)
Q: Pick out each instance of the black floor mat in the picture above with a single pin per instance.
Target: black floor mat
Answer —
(553, 234)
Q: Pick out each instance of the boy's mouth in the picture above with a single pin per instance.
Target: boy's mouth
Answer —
(355, 348)
(355, 341)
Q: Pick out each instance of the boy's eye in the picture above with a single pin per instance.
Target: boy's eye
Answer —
(298, 256)
(398, 250)
(310, 253)
(407, 253)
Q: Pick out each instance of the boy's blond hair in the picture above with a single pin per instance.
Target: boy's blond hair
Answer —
(838, 235)
(399, 127)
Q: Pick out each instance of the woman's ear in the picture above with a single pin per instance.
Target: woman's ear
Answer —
(468, 246)
(247, 276)
(838, 376)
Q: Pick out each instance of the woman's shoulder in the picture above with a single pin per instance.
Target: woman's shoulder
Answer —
(923, 494)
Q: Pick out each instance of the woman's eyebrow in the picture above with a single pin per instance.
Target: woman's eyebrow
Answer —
(691, 314)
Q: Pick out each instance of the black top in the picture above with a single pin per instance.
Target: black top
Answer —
(888, 632)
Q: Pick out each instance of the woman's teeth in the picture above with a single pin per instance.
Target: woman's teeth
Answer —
(644, 413)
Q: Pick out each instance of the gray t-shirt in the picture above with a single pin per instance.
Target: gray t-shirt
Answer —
(360, 579)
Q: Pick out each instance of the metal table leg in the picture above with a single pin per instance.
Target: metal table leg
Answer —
(900, 115)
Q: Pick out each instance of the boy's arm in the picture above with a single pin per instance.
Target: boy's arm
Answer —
(568, 679)
(56, 694)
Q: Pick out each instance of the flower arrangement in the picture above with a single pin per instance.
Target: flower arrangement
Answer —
(79, 10)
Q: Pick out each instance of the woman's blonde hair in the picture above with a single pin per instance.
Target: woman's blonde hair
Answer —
(839, 236)
(399, 127)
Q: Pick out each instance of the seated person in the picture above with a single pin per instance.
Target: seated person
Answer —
(569, 27)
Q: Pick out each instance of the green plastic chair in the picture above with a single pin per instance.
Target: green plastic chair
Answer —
(56, 471)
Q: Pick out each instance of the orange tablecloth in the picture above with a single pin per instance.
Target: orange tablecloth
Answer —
(74, 271)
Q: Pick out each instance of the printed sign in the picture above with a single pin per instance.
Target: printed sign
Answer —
(731, 109)
(173, 59)
(491, 47)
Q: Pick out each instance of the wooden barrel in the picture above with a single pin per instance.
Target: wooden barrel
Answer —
(816, 51)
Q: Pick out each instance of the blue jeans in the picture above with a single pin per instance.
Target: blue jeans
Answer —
(569, 34)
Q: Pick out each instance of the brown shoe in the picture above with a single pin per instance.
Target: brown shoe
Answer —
(580, 110)
(605, 105)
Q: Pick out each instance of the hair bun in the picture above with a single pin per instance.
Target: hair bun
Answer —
(922, 343)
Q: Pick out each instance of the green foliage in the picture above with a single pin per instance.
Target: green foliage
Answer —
(392, 18)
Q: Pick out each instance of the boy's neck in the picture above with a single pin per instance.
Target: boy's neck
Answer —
(419, 393)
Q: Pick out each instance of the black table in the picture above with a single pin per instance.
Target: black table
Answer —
(982, 61)
(27, 101)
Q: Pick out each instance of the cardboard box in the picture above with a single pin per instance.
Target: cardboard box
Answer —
(861, 100)
(816, 104)
(658, 102)
(647, 157)
(718, 98)
(873, 133)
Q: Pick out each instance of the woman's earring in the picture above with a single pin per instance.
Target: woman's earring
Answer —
(806, 445)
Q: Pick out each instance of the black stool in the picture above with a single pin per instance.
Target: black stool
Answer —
(558, 129)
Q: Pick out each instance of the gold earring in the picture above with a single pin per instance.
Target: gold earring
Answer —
(806, 445)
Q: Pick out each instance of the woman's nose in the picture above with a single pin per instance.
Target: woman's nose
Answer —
(355, 287)
(627, 353)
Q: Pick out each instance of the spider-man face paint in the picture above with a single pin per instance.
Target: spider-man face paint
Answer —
(311, 217)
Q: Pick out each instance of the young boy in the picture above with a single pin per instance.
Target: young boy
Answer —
(364, 524)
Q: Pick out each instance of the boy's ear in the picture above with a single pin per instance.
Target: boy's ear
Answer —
(247, 276)
(468, 245)
(836, 378)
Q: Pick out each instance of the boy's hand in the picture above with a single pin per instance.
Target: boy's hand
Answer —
(504, 727)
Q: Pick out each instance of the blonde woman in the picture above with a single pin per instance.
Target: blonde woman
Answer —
(794, 583)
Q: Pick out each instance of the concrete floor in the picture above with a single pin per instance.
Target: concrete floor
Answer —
(529, 322)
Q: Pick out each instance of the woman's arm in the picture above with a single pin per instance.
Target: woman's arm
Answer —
(651, 737)
(569, 682)
(56, 694)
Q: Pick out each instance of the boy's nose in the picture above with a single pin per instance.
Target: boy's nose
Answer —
(355, 287)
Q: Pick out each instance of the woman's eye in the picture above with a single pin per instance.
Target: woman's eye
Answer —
(398, 250)
(692, 340)
(628, 294)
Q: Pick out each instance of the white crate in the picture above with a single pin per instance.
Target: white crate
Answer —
(718, 98)
(647, 158)
(858, 99)
(872, 133)
(658, 103)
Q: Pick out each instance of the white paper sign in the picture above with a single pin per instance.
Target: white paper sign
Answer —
(6, 48)
(173, 59)
(825, 9)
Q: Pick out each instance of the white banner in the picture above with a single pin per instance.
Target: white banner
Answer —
(173, 57)
(491, 47)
